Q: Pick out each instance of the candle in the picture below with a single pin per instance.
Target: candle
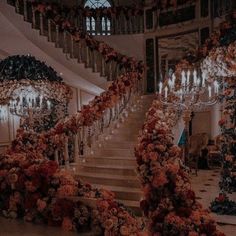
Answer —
(166, 91)
(48, 105)
(209, 91)
(188, 77)
(40, 100)
(216, 87)
(203, 79)
(173, 79)
(183, 79)
(195, 77)
(160, 87)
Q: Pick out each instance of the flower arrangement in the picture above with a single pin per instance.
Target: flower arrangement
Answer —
(220, 62)
(215, 48)
(169, 202)
(37, 190)
(222, 204)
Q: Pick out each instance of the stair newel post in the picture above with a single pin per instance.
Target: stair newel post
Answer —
(113, 25)
(87, 56)
(25, 10)
(41, 23)
(79, 52)
(76, 148)
(65, 42)
(110, 70)
(49, 31)
(56, 158)
(57, 36)
(66, 153)
(102, 66)
(72, 55)
(33, 18)
(95, 55)
(17, 6)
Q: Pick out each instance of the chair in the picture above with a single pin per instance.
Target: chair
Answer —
(197, 143)
(214, 157)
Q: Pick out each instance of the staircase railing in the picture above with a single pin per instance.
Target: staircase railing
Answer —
(76, 137)
(77, 45)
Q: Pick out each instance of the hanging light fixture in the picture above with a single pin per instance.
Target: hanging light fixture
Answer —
(191, 91)
(29, 103)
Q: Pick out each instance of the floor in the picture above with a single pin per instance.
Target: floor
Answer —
(206, 188)
(205, 185)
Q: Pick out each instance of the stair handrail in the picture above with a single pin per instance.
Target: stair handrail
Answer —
(95, 54)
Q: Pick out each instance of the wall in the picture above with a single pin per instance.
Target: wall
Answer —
(202, 123)
(215, 117)
(130, 45)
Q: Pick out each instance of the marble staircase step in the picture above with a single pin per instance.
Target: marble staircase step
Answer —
(131, 204)
(112, 160)
(107, 168)
(122, 193)
(122, 152)
(120, 144)
(107, 179)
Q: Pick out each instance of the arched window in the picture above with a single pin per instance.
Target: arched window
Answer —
(98, 26)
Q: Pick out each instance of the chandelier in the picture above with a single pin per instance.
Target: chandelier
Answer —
(28, 100)
(191, 91)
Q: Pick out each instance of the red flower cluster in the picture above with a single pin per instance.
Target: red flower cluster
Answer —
(169, 202)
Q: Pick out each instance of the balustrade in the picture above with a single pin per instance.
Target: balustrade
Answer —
(77, 146)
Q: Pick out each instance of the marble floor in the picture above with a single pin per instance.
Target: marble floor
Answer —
(206, 188)
(205, 185)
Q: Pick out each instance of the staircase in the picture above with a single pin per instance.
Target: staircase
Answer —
(113, 166)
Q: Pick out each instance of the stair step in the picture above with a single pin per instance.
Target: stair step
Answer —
(113, 144)
(113, 160)
(108, 179)
(107, 169)
(115, 152)
(123, 193)
(131, 204)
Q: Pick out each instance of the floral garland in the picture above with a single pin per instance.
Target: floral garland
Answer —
(36, 189)
(220, 38)
(52, 11)
(222, 204)
(221, 62)
(21, 71)
(169, 202)
(46, 142)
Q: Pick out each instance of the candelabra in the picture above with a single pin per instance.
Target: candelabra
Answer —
(29, 103)
(191, 92)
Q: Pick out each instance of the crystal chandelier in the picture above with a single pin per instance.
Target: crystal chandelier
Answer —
(192, 91)
(29, 103)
